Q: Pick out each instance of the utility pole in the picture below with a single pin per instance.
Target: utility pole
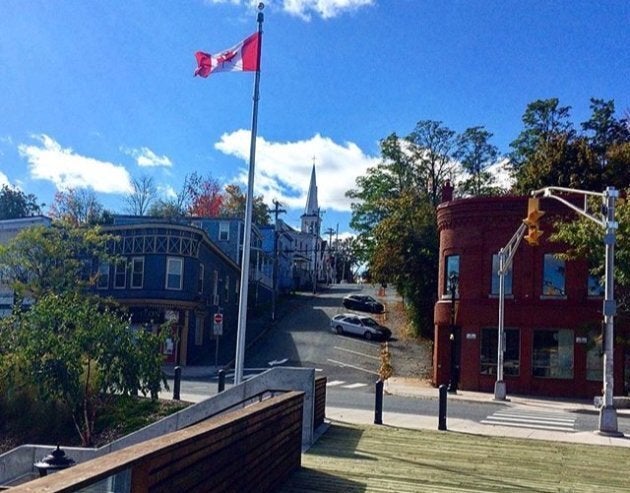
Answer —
(316, 239)
(330, 232)
(276, 210)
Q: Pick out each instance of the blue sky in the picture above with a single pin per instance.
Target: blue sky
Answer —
(93, 94)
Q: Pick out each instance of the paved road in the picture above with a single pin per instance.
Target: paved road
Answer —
(303, 338)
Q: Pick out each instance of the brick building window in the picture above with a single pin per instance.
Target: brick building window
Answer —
(594, 356)
(511, 357)
(595, 286)
(554, 271)
(451, 263)
(494, 289)
(553, 353)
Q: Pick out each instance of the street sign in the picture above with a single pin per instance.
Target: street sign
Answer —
(217, 325)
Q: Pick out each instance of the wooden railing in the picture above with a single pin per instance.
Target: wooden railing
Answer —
(251, 449)
(319, 413)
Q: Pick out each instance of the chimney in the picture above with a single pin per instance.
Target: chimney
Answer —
(447, 191)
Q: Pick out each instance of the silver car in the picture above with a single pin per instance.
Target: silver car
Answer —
(361, 325)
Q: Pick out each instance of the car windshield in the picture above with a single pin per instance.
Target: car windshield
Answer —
(370, 322)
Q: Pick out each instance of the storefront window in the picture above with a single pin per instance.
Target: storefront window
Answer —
(511, 356)
(594, 357)
(495, 277)
(553, 354)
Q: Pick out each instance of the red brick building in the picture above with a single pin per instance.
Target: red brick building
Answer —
(553, 309)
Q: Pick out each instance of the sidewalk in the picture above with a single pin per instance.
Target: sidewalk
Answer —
(420, 389)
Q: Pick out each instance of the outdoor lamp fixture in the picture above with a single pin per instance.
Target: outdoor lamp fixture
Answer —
(53, 462)
(453, 281)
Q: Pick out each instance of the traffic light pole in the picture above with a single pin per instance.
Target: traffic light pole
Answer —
(506, 255)
(607, 413)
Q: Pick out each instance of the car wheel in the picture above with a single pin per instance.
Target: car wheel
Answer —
(368, 335)
(339, 329)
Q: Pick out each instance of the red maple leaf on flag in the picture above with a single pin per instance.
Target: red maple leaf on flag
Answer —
(226, 56)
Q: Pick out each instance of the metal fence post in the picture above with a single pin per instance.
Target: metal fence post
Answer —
(443, 389)
(221, 374)
(378, 403)
(177, 383)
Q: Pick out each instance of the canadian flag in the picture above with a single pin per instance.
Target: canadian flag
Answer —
(241, 58)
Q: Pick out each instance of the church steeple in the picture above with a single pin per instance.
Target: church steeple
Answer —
(311, 199)
(310, 218)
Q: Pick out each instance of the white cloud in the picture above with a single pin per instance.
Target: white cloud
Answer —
(146, 158)
(66, 169)
(283, 169)
(304, 9)
(4, 179)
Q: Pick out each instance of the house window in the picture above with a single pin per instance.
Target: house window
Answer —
(102, 280)
(451, 275)
(224, 231)
(202, 271)
(495, 277)
(511, 356)
(174, 273)
(199, 320)
(595, 286)
(227, 289)
(120, 275)
(215, 288)
(553, 354)
(553, 276)
(137, 272)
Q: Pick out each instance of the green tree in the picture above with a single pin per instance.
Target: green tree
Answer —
(549, 151)
(544, 120)
(15, 204)
(234, 206)
(477, 154)
(585, 239)
(406, 254)
(393, 211)
(79, 207)
(52, 259)
(346, 258)
(78, 351)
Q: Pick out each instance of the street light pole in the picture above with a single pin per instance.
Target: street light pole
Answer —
(607, 413)
(454, 373)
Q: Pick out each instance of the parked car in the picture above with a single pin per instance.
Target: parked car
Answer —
(361, 325)
(362, 303)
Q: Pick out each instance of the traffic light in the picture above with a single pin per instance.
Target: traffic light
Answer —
(531, 221)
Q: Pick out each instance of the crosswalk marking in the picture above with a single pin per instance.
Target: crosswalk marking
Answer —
(355, 385)
(538, 420)
(344, 385)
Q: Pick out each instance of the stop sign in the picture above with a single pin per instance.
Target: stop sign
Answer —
(218, 318)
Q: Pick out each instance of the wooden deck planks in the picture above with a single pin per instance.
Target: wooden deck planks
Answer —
(353, 458)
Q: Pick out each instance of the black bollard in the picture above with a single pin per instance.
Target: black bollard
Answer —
(221, 380)
(378, 403)
(442, 411)
(177, 383)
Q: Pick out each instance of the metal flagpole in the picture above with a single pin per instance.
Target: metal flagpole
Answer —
(242, 303)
